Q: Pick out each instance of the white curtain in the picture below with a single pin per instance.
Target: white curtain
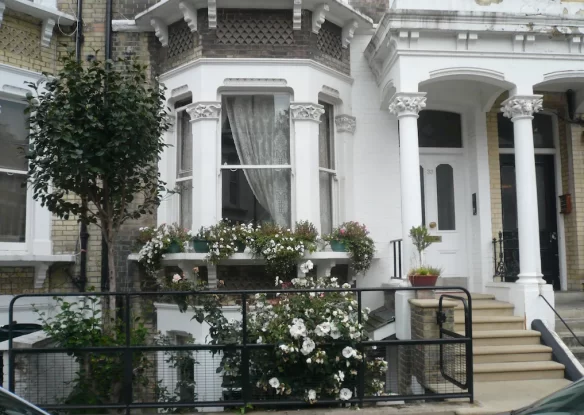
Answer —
(262, 139)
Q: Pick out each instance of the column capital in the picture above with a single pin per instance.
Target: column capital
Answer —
(308, 111)
(407, 103)
(522, 106)
(345, 123)
(204, 110)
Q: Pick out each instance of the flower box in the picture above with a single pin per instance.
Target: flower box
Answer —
(338, 246)
(201, 246)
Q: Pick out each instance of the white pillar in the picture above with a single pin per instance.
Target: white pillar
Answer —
(205, 118)
(306, 117)
(520, 109)
(345, 128)
(406, 107)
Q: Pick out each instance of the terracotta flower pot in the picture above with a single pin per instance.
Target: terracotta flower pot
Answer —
(423, 280)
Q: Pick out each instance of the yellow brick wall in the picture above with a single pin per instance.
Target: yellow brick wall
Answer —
(494, 168)
(575, 220)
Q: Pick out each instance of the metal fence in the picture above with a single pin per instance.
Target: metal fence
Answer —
(187, 367)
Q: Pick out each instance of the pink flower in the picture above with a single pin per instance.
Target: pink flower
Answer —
(342, 231)
(176, 278)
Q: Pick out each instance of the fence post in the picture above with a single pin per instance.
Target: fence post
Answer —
(245, 386)
(11, 357)
(361, 387)
(128, 366)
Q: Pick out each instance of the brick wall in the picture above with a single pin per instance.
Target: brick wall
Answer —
(494, 168)
(372, 8)
(574, 222)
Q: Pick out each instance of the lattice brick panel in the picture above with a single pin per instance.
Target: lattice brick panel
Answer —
(253, 30)
(180, 39)
(19, 42)
(329, 40)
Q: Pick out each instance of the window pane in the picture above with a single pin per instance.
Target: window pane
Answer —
(12, 208)
(423, 196)
(326, 202)
(445, 197)
(508, 194)
(256, 195)
(13, 136)
(186, 204)
(543, 131)
(325, 138)
(439, 129)
(185, 145)
(255, 130)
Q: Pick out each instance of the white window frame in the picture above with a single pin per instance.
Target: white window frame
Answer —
(235, 167)
(335, 190)
(178, 180)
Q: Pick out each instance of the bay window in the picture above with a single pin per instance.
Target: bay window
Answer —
(13, 169)
(327, 171)
(255, 158)
(184, 171)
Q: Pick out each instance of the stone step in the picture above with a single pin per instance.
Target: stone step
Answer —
(567, 337)
(473, 296)
(482, 323)
(490, 372)
(575, 323)
(578, 352)
(504, 337)
(570, 312)
(513, 353)
(487, 308)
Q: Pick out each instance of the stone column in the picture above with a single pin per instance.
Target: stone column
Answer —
(306, 117)
(406, 107)
(205, 118)
(345, 128)
(520, 109)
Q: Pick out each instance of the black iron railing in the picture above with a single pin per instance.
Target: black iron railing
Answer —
(44, 375)
(396, 248)
(506, 256)
(563, 321)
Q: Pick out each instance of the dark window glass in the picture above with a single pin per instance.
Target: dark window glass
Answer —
(423, 196)
(439, 129)
(508, 193)
(543, 131)
(445, 197)
(326, 161)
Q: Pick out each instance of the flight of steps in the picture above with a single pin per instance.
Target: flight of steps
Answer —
(502, 348)
(570, 305)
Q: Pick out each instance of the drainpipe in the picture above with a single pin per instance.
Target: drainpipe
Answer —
(108, 56)
(84, 235)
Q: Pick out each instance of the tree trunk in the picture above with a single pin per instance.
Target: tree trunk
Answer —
(110, 303)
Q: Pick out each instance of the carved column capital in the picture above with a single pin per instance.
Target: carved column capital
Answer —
(306, 111)
(204, 110)
(407, 103)
(345, 123)
(521, 106)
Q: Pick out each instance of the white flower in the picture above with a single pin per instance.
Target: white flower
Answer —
(307, 346)
(335, 332)
(345, 394)
(311, 395)
(275, 383)
(346, 285)
(309, 360)
(348, 352)
(340, 376)
(259, 340)
(176, 278)
(322, 329)
(284, 348)
(298, 330)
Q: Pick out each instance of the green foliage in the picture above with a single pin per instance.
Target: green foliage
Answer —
(155, 242)
(422, 240)
(359, 244)
(225, 239)
(425, 270)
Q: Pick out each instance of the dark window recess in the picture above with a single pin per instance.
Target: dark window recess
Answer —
(439, 129)
(445, 197)
(543, 131)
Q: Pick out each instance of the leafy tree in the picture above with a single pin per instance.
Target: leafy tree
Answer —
(96, 133)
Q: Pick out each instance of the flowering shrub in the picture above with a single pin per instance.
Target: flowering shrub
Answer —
(281, 248)
(225, 239)
(155, 242)
(179, 282)
(356, 239)
(311, 339)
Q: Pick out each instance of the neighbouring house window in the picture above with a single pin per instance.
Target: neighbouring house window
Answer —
(543, 131)
(255, 158)
(13, 169)
(440, 129)
(184, 171)
(185, 372)
(327, 170)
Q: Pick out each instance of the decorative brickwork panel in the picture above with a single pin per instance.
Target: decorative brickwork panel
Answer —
(329, 40)
(252, 29)
(19, 41)
(180, 39)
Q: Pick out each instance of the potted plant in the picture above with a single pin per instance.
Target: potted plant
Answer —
(155, 242)
(353, 237)
(306, 232)
(225, 239)
(423, 275)
(178, 237)
(201, 240)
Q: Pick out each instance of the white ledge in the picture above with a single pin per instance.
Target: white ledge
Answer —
(248, 259)
(41, 12)
(30, 259)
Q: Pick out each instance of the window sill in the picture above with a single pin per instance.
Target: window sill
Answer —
(248, 259)
(40, 263)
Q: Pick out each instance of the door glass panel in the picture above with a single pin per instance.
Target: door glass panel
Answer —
(445, 197)
(423, 196)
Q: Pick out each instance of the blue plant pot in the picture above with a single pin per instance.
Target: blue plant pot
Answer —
(201, 246)
(174, 248)
(338, 246)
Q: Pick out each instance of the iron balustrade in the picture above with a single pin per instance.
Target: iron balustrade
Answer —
(396, 246)
(450, 388)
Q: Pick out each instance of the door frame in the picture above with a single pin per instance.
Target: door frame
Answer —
(558, 181)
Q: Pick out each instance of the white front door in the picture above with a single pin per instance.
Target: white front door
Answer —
(444, 212)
